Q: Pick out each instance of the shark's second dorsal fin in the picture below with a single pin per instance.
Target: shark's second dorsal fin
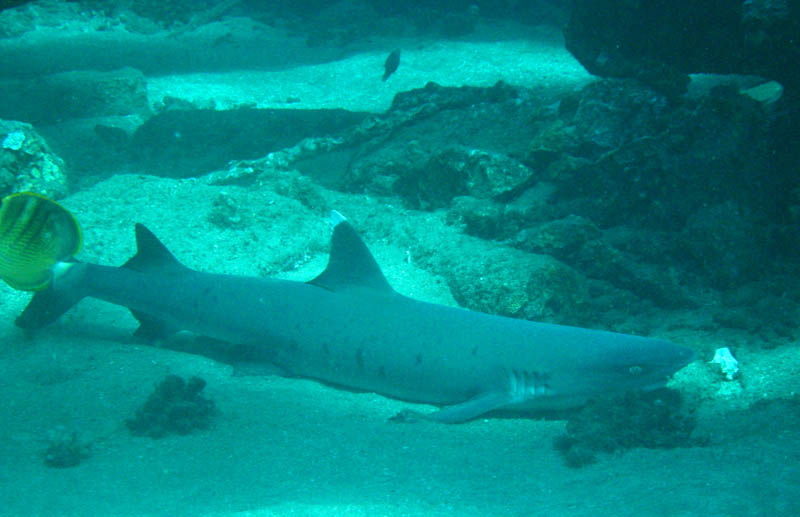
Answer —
(350, 263)
(151, 254)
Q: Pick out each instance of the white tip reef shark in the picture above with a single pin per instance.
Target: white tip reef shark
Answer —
(349, 328)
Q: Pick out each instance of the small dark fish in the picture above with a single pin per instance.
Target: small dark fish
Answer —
(391, 64)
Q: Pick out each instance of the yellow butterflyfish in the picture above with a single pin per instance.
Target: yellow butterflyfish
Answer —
(36, 233)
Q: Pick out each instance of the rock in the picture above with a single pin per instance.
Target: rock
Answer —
(183, 143)
(724, 242)
(93, 148)
(483, 218)
(560, 238)
(600, 260)
(27, 163)
(652, 420)
(517, 284)
(75, 94)
(645, 163)
(660, 43)
(436, 143)
(460, 171)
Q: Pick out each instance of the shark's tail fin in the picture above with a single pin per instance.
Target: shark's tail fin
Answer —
(38, 238)
(48, 305)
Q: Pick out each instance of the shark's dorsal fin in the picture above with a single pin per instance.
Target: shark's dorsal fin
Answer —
(151, 257)
(350, 263)
(151, 254)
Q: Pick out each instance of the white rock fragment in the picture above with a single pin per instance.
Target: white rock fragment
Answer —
(14, 140)
(766, 93)
(728, 365)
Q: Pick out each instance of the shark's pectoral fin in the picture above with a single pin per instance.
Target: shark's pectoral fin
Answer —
(457, 413)
(152, 328)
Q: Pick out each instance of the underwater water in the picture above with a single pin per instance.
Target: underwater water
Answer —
(602, 165)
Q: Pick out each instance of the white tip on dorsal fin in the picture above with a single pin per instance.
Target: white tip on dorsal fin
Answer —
(350, 263)
(336, 218)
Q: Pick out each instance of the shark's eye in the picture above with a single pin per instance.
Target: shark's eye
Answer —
(635, 370)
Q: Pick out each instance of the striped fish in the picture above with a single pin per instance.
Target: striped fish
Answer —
(36, 233)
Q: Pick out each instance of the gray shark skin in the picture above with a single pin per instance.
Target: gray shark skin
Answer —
(349, 328)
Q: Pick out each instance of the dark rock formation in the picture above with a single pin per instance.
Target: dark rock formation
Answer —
(660, 42)
(653, 420)
(637, 201)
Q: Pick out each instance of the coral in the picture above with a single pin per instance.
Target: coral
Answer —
(65, 449)
(28, 163)
(176, 406)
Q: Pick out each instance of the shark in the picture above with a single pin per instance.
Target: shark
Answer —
(349, 328)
